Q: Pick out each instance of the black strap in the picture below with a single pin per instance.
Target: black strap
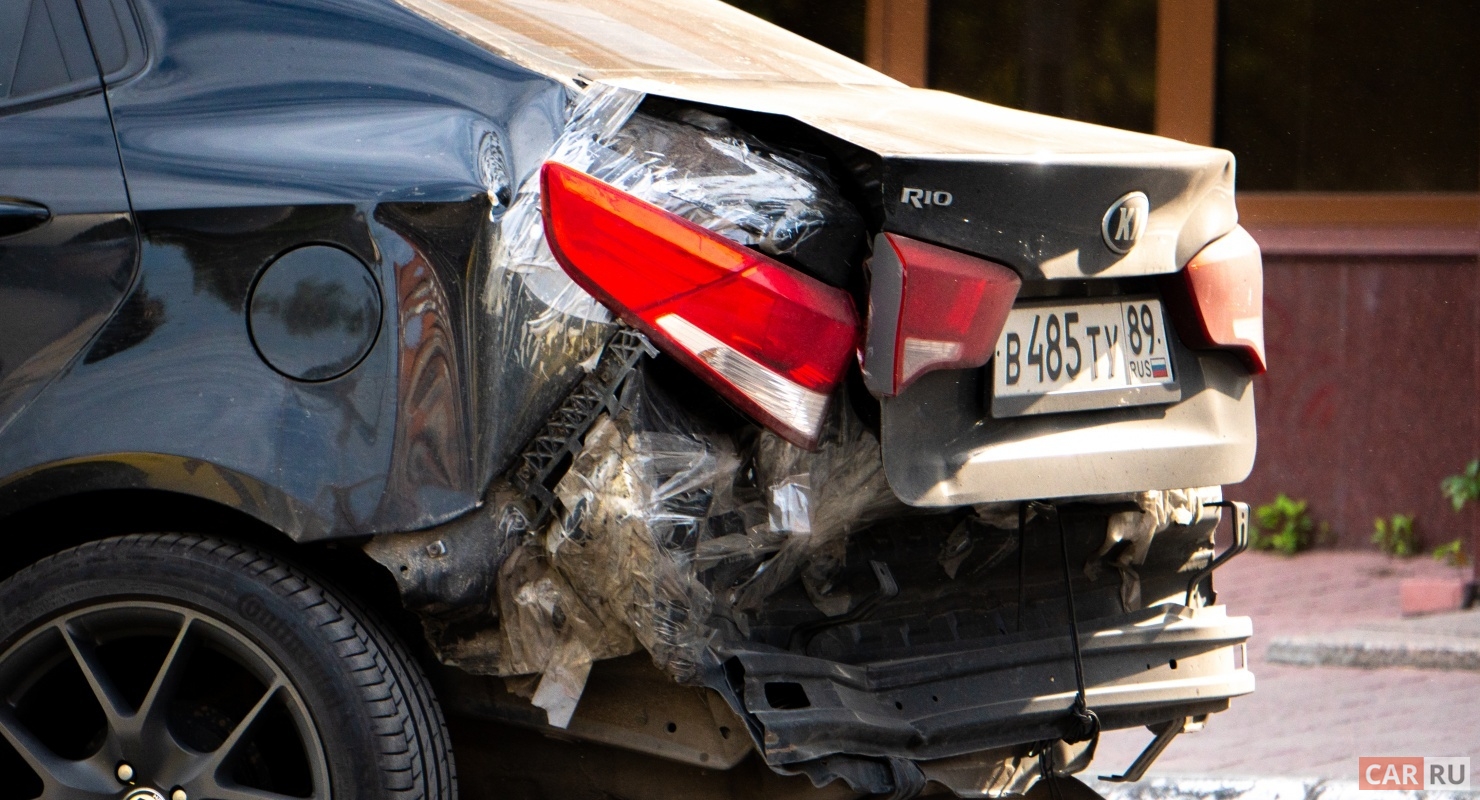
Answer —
(1049, 771)
(1085, 724)
(1022, 563)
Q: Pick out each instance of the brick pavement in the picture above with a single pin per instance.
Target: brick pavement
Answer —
(1314, 721)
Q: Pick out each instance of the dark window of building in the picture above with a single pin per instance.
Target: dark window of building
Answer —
(1358, 95)
(834, 24)
(1092, 60)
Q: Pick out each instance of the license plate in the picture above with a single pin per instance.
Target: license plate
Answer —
(1083, 355)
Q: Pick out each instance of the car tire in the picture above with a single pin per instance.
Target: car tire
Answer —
(180, 645)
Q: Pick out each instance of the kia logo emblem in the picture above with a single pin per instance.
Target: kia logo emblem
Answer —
(1125, 222)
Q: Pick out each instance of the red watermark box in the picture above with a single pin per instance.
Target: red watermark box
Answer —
(1412, 773)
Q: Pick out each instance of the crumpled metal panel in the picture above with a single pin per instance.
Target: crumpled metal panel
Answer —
(1025, 189)
(976, 697)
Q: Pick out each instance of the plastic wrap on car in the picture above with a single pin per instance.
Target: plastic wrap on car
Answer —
(664, 532)
(547, 631)
(614, 569)
(815, 499)
(540, 327)
(634, 506)
(1160, 510)
(703, 169)
(649, 498)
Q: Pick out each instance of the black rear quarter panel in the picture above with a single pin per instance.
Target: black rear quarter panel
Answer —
(253, 128)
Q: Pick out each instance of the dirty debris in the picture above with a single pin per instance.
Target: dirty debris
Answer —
(647, 512)
(1129, 534)
(816, 500)
(634, 505)
(1007, 772)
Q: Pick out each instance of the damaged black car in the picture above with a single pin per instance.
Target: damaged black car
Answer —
(623, 373)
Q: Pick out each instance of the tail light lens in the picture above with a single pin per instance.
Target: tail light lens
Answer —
(1218, 300)
(931, 308)
(770, 339)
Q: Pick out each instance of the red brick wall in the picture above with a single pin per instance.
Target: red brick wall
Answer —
(1371, 395)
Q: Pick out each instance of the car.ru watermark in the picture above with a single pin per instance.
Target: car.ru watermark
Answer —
(1413, 773)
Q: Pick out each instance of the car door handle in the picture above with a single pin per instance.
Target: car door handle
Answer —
(19, 216)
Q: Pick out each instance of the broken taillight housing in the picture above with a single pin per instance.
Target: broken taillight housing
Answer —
(1218, 300)
(770, 339)
(931, 308)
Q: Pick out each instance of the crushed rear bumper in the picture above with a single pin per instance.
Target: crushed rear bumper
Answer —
(1156, 665)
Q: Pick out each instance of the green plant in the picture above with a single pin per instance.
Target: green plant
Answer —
(1284, 525)
(1395, 536)
(1464, 487)
(1452, 554)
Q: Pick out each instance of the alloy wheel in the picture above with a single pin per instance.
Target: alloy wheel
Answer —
(152, 701)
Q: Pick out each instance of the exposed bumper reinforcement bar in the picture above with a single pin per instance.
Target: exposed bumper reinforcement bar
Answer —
(1156, 665)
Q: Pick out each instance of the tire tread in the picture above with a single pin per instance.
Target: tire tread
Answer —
(414, 755)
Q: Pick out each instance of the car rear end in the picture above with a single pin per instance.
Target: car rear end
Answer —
(932, 499)
(1125, 363)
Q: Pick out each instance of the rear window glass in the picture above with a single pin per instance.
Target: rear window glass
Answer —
(107, 29)
(43, 47)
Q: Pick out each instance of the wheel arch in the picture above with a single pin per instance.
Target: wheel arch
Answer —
(180, 477)
(94, 511)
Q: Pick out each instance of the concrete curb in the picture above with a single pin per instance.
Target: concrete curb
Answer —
(1192, 788)
(1441, 641)
(1376, 649)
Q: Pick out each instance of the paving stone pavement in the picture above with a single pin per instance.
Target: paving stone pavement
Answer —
(1313, 722)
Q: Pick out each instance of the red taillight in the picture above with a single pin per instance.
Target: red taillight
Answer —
(1218, 300)
(772, 340)
(931, 308)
